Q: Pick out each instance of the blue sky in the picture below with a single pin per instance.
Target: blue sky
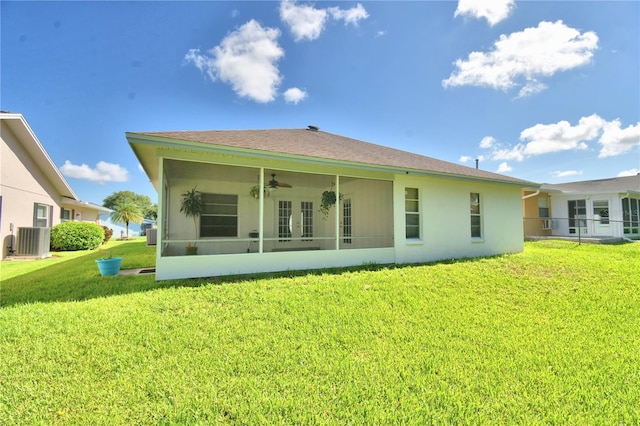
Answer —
(543, 91)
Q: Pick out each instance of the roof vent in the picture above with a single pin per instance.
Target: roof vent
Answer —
(314, 128)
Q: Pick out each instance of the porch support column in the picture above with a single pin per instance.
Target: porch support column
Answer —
(261, 214)
(337, 230)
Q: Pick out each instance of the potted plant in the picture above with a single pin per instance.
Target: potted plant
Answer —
(255, 191)
(329, 198)
(109, 265)
(192, 206)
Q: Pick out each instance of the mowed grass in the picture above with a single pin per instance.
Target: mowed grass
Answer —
(548, 336)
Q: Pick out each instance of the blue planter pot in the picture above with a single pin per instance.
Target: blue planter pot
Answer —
(109, 266)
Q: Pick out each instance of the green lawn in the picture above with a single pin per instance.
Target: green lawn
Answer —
(548, 336)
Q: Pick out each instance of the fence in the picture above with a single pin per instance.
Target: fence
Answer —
(601, 229)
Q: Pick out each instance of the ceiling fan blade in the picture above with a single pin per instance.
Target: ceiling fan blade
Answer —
(284, 185)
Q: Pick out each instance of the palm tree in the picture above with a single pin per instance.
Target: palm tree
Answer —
(127, 212)
(192, 205)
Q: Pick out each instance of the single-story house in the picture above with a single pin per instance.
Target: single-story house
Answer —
(590, 208)
(290, 199)
(33, 193)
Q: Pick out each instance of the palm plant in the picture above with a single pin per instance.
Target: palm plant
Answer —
(192, 206)
(127, 213)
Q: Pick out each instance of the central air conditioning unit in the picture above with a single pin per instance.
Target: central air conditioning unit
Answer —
(152, 236)
(33, 242)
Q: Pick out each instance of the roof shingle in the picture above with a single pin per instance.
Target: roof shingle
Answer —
(328, 146)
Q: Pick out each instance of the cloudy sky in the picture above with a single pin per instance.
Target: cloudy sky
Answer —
(543, 91)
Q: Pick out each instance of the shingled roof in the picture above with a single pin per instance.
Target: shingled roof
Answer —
(617, 184)
(327, 146)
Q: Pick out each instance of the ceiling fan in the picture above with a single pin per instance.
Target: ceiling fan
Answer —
(274, 184)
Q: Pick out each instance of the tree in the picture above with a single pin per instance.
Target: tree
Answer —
(128, 212)
(192, 205)
(147, 209)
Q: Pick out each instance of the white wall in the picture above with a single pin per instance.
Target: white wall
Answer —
(446, 223)
(560, 213)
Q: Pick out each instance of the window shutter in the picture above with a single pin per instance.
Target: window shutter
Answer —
(50, 218)
(35, 214)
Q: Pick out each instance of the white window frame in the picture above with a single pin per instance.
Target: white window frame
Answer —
(412, 214)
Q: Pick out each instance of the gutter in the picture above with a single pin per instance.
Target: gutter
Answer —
(531, 195)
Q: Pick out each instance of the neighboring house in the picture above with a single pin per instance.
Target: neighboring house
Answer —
(591, 208)
(33, 193)
(263, 189)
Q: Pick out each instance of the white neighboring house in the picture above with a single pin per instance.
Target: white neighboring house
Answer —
(591, 208)
(33, 192)
(263, 190)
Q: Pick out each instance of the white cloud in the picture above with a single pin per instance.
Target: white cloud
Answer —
(493, 11)
(515, 153)
(487, 142)
(630, 172)
(294, 95)
(616, 141)
(465, 159)
(504, 168)
(307, 22)
(561, 136)
(104, 172)
(246, 59)
(531, 88)
(349, 16)
(520, 58)
(566, 173)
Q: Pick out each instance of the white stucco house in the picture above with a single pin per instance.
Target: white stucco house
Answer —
(590, 208)
(393, 206)
(33, 192)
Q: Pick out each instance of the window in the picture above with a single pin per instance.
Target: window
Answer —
(346, 221)
(543, 207)
(412, 213)
(601, 210)
(41, 215)
(284, 220)
(476, 222)
(306, 211)
(577, 216)
(65, 215)
(220, 215)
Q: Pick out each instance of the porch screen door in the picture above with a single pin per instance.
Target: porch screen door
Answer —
(577, 217)
(601, 217)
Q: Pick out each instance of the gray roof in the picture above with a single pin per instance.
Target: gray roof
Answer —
(611, 185)
(326, 146)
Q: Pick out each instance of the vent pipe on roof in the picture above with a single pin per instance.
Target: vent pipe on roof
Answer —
(477, 161)
(314, 128)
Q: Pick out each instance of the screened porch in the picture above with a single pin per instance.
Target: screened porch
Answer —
(259, 210)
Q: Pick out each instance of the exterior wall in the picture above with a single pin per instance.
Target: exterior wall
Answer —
(445, 219)
(22, 184)
(533, 224)
(445, 222)
(560, 208)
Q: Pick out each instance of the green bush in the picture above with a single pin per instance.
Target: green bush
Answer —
(70, 236)
(108, 232)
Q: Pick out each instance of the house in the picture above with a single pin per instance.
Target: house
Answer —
(603, 208)
(33, 193)
(263, 193)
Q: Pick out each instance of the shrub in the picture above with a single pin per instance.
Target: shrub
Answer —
(70, 236)
(108, 232)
